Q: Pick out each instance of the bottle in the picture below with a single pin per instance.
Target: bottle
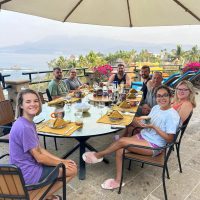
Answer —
(122, 87)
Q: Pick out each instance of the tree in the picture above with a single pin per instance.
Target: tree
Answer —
(61, 62)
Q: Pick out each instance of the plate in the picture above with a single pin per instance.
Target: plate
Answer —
(58, 127)
(114, 119)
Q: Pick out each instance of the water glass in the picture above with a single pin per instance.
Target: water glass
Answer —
(68, 97)
(78, 118)
(101, 107)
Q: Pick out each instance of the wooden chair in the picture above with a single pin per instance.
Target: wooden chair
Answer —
(43, 100)
(2, 97)
(160, 160)
(7, 117)
(12, 185)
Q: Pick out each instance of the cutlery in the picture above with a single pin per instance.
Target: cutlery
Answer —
(69, 130)
(42, 125)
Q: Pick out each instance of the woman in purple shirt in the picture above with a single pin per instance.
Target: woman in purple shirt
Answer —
(25, 151)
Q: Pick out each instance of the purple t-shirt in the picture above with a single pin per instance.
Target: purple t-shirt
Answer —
(23, 138)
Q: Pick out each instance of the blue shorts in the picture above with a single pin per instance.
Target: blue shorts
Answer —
(46, 170)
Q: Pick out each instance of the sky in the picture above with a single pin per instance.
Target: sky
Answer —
(16, 28)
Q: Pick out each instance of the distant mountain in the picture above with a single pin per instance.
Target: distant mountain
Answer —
(82, 45)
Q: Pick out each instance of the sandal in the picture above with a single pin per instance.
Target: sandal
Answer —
(90, 158)
(111, 184)
(55, 197)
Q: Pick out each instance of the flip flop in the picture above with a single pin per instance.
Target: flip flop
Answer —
(90, 158)
(111, 184)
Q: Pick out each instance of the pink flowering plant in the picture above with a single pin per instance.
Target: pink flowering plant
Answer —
(191, 66)
(102, 73)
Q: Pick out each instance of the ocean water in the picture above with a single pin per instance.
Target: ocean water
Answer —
(14, 64)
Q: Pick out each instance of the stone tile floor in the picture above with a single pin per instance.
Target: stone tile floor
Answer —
(141, 183)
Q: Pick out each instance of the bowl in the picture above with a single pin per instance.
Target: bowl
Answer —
(82, 107)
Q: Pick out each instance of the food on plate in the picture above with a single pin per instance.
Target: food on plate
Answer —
(133, 91)
(58, 123)
(131, 96)
(115, 115)
(124, 104)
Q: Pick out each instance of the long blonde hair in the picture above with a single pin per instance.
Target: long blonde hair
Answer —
(191, 95)
(19, 110)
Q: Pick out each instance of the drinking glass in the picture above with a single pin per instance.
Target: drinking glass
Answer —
(101, 107)
(78, 118)
(95, 85)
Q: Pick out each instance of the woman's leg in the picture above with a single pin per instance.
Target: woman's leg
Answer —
(119, 153)
(122, 142)
(114, 183)
(112, 148)
(128, 130)
(71, 172)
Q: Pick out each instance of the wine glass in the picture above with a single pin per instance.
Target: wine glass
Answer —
(95, 85)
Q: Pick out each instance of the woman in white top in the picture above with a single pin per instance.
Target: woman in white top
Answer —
(161, 130)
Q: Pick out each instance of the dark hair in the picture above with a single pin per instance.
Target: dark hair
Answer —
(146, 67)
(19, 110)
(120, 65)
(56, 68)
(157, 72)
(165, 88)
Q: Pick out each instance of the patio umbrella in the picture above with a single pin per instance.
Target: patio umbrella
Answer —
(127, 13)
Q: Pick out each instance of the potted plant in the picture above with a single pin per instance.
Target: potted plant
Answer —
(101, 73)
(191, 66)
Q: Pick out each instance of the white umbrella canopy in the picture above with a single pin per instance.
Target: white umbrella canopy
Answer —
(124, 13)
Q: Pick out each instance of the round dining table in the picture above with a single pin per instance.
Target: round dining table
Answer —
(90, 129)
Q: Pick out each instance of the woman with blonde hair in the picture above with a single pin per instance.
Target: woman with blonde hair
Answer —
(184, 99)
(25, 151)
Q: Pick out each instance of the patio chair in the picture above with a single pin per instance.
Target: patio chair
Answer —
(43, 102)
(158, 161)
(7, 117)
(49, 95)
(171, 79)
(185, 76)
(195, 80)
(12, 185)
(179, 138)
(2, 98)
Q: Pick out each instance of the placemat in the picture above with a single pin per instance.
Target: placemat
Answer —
(62, 100)
(125, 121)
(67, 130)
(56, 101)
(131, 109)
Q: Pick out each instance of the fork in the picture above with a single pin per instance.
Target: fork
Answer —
(69, 130)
